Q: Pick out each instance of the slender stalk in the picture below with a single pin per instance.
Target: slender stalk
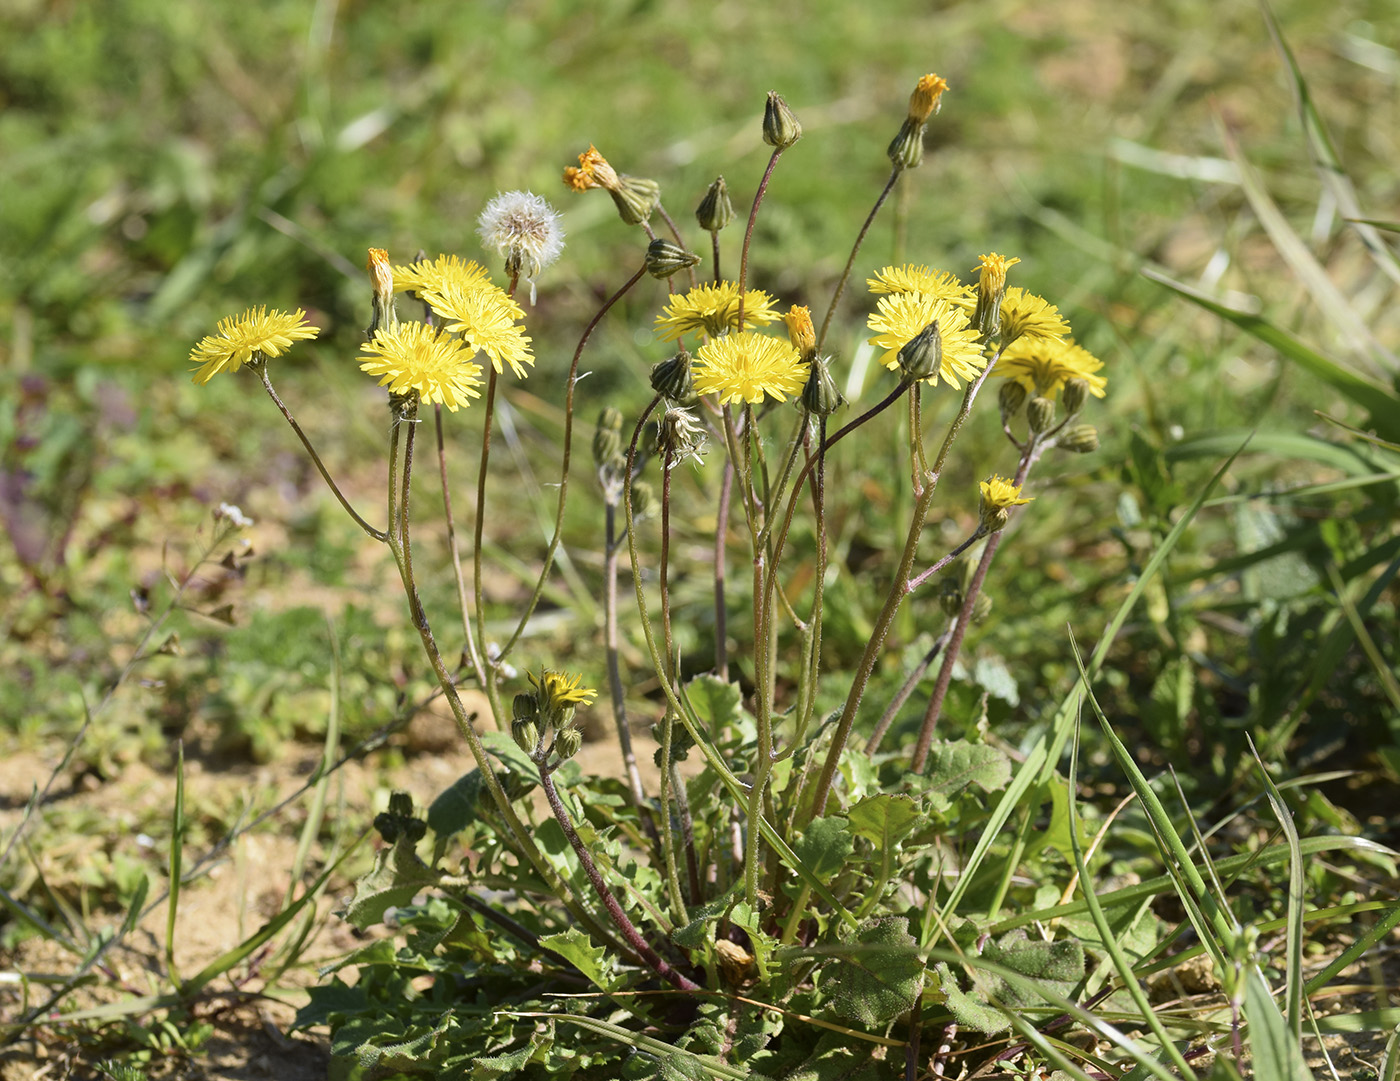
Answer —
(676, 233)
(923, 576)
(855, 248)
(463, 602)
(628, 929)
(748, 230)
(668, 847)
(714, 247)
(726, 488)
(619, 706)
(570, 384)
(959, 628)
(493, 693)
(892, 710)
(260, 367)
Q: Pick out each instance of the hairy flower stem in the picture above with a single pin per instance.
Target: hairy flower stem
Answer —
(898, 591)
(748, 231)
(676, 233)
(855, 248)
(726, 488)
(570, 384)
(628, 929)
(473, 656)
(493, 693)
(714, 246)
(260, 366)
(1034, 448)
(624, 731)
(882, 726)
(403, 554)
(668, 846)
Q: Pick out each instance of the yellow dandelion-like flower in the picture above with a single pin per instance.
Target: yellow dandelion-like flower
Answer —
(920, 279)
(899, 318)
(1025, 315)
(747, 367)
(991, 273)
(923, 102)
(266, 333)
(1044, 365)
(800, 330)
(485, 316)
(440, 274)
(557, 690)
(712, 310)
(999, 495)
(416, 356)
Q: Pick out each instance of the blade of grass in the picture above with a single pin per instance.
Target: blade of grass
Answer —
(1356, 950)
(1293, 936)
(1368, 645)
(1390, 1063)
(1375, 398)
(1275, 1051)
(177, 855)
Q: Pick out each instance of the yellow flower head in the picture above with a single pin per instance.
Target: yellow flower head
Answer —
(900, 318)
(1025, 315)
(999, 495)
(1043, 365)
(415, 356)
(800, 331)
(439, 274)
(920, 279)
(923, 102)
(558, 694)
(256, 331)
(748, 367)
(713, 309)
(485, 316)
(593, 171)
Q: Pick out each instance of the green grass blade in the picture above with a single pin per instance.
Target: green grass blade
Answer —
(1390, 1063)
(1353, 953)
(1121, 964)
(1375, 398)
(1277, 1054)
(1293, 941)
(1363, 636)
(177, 856)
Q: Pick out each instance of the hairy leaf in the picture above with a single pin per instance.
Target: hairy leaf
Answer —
(880, 973)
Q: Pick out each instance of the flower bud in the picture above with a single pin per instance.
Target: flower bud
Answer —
(991, 290)
(643, 499)
(1076, 393)
(820, 396)
(665, 258)
(981, 607)
(801, 333)
(950, 597)
(607, 444)
(671, 378)
(526, 735)
(525, 707)
(715, 210)
(926, 99)
(922, 355)
(1040, 413)
(610, 417)
(635, 198)
(906, 150)
(381, 277)
(567, 743)
(998, 496)
(780, 125)
(994, 519)
(1080, 439)
(1011, 397)
(401, 804)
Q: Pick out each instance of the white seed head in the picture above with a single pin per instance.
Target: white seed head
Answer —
(524, 230)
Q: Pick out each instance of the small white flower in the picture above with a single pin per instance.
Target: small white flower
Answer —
(228, 512)
(524, 230)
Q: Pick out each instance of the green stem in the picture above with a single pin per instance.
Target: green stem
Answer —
(472, 654)
(619, 706)
(668, 846)
(726, 488)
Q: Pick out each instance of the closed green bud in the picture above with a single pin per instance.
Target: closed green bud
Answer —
(1011, 397)
(671, 378)
(715, 210)
(643, 499)
(1076, 392)
(607, 442)
(611, 417)
(636, 198)
(819, 395)
(950, 597)
(1040, 413)
(1080, 439)
(525, 707)
(401, 804)
(981, 608)
(922, 355)
(994, 519)
(526, 735)
(567, 743)
(907, 149)
(780, 125)
(665, 258)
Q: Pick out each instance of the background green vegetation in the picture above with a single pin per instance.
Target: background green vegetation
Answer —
(163, 165)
